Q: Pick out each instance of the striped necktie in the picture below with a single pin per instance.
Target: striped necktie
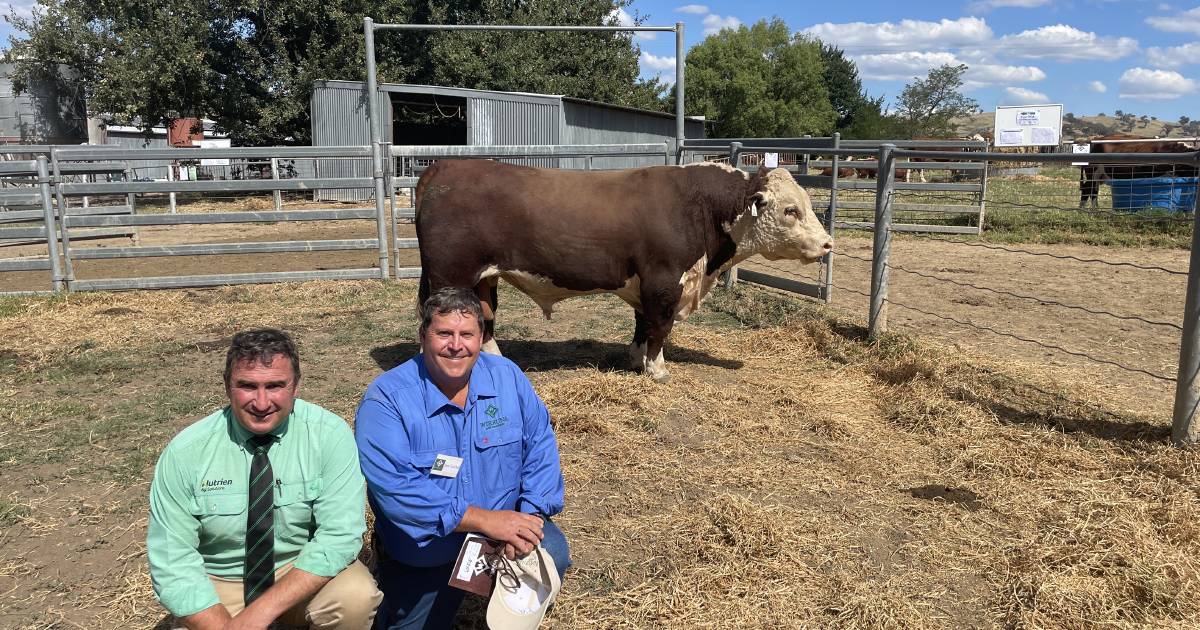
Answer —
(260, 523)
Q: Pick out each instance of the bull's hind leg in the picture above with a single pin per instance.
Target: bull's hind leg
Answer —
(637, 349)
(486, 290)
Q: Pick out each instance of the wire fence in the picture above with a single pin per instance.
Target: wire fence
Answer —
(1055, 288)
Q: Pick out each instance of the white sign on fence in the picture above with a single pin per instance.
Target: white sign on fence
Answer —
(1028, 125)
(218, 143)
(771, 160)
(1080, 148)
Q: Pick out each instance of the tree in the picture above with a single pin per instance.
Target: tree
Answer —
(760, 81)
(250, 64)
(927, 106)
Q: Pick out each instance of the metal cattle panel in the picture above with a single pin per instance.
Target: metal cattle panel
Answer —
(492, 121)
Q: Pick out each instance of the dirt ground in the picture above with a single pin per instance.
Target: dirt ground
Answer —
(1054, 282)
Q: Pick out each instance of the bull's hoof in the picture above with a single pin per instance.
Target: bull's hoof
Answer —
(661, 377)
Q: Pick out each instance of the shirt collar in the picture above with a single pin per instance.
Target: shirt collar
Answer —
(241, 436)
(479, 386)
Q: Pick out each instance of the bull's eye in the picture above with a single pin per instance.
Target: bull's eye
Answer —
(793, 211)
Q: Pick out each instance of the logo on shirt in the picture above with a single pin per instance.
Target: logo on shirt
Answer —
(214, 484)
(492, 410)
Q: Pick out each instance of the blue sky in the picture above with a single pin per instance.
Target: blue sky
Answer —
(1092, 56)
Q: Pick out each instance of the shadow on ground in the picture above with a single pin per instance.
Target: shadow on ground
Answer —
(539, 356)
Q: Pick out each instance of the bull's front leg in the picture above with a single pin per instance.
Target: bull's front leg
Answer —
(659, 302)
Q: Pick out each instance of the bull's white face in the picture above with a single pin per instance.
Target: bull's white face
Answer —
(786, 227)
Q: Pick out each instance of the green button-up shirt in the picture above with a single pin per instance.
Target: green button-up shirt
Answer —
(198, 502)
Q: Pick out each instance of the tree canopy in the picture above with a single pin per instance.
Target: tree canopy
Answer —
(250, 64)
(927, 106)
(760, 81)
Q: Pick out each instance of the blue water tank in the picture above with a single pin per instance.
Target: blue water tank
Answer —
(1177, 194)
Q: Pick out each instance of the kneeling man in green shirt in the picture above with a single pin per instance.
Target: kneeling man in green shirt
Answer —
(256, 511)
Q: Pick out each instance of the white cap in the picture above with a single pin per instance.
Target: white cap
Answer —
(520, 598)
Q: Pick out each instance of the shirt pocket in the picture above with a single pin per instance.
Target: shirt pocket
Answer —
(499, 456)
(294, 521)
(222, 520)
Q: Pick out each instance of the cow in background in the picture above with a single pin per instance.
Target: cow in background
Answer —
(1090, 175)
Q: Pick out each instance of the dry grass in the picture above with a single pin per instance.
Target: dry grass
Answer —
(789, 475)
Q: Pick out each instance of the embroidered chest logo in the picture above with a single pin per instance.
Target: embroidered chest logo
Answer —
(209, 485)
(491, 412)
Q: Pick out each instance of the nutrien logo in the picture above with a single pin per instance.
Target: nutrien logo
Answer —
(214, 484)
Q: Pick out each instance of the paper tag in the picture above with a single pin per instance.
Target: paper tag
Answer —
(473, 571)
(770, 160)
(446, 466)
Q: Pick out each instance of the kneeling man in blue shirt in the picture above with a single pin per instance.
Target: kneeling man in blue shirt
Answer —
(454, 441)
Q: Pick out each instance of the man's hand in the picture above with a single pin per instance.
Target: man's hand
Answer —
(519, 531)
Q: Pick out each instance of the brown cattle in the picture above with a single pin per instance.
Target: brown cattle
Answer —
(657, 237)
(1092, 174)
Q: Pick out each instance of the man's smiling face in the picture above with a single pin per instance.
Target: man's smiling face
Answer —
(450, 345)
(262, 394)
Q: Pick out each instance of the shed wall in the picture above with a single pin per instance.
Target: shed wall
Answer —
(595, 124)
(340, 118)
(497, 121)
(47, 114)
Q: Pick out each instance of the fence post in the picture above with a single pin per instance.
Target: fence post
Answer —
(131, 200)
(885, 178)
(983, 180)
(171, 195)
(1184, 429)
(64, 232)
(827, 260)
(56, 273)
(377, 149)
(275, 177)
(735, 156)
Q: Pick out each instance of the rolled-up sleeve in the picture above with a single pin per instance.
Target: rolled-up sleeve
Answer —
(172, 542)
(399, 491)
(338, 511)
(541, 472)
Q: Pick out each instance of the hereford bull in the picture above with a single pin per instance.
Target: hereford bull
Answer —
(1090, 175)
(657, 237)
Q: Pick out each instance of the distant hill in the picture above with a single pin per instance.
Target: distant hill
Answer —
(1088, 126)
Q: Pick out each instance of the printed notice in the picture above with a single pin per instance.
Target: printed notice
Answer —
(1044, 135)
(1011, 137)
(1029, 118)
(771, 160)
(466, 568)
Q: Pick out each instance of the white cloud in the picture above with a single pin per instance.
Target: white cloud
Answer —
(713, 23)
(904, 35)
(908, 65)
(1022, 96)
(656, 63)
(698, 9)
(621, 17)
(1066, 43)
(1155, 85)
(1163, 6)
(987, 5)
(1098, 87)
(1175, 56)
(1182, 22)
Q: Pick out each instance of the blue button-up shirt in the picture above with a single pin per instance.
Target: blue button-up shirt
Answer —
(509, 453)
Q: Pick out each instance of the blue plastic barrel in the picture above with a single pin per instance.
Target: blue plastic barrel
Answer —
(1177, 194)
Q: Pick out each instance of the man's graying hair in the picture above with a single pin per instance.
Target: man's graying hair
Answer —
(451, 300)
(261, 346)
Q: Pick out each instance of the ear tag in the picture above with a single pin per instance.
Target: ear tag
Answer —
(754, 209)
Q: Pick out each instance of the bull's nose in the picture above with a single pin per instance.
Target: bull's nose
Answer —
(827, 247)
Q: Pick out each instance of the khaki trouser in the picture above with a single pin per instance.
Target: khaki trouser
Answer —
(347, 602)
